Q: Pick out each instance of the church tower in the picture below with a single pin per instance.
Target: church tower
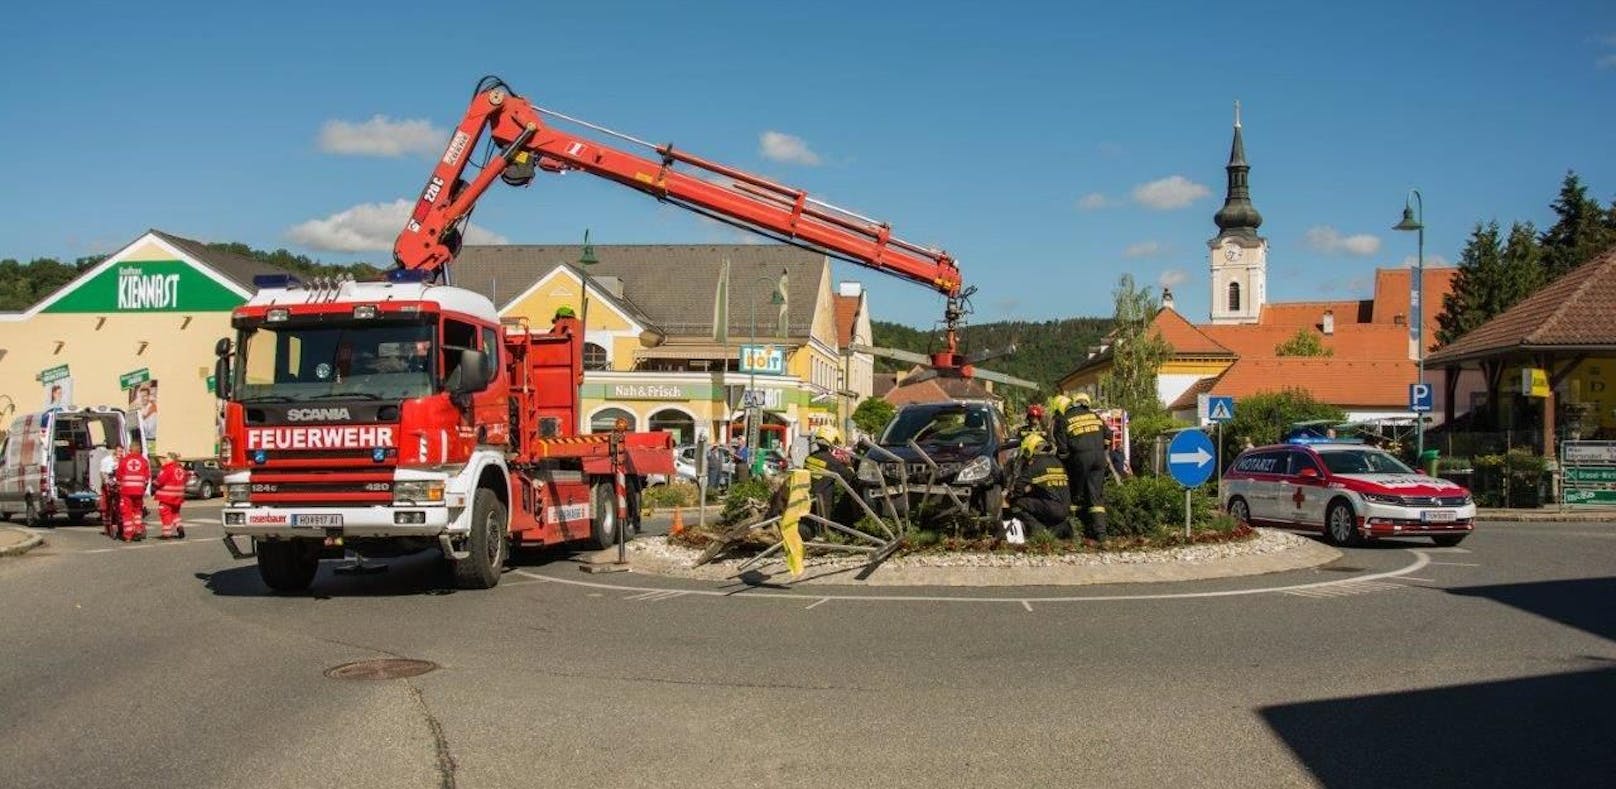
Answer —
(1239, 256)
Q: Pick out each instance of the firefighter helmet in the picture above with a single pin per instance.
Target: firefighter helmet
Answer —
(1033, 444)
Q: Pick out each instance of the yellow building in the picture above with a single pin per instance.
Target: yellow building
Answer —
(136, 331)
(652, 355)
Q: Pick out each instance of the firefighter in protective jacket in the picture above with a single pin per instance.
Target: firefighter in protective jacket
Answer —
(1083, 439)
(1040, 494)
(134, 477)
(829, 500)
(170, 495)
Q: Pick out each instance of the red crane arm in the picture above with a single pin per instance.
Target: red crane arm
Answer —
(431, 237)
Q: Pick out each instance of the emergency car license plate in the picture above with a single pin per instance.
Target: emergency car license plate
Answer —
(1439, 516)
(320, 520)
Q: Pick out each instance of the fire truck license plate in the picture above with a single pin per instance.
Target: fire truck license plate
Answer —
(321, 520)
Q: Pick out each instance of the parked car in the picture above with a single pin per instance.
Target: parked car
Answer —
(206, 479)
(1350, 492)
(970, 446)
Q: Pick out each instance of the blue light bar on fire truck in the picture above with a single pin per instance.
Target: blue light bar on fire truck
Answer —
(276, 281)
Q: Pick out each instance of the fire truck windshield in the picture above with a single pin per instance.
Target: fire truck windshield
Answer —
(369, 361)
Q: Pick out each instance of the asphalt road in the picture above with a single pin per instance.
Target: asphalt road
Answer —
(168, 664)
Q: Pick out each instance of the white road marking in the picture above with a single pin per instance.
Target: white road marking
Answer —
(1456, 564)
(1420, 561)
(1412, 578)
(821, 601)
(1443, 550)
(1026, 605)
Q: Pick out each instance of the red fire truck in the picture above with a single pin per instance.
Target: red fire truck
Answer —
(404, 415)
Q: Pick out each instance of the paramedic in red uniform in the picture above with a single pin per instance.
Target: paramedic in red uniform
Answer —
(170, 495)
(134, 476)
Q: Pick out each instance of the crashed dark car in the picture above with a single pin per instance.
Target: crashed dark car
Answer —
(941, 459)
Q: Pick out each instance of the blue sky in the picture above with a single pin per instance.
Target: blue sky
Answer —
(977, 127)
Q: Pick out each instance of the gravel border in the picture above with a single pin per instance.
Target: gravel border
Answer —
(1272, 550)
(10, 545)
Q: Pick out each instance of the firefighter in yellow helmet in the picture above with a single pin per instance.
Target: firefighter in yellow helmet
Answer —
(1040, 495)
(830, 501)
(1081, 439)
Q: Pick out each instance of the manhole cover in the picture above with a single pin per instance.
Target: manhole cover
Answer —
(387, 668)
(1342, 569)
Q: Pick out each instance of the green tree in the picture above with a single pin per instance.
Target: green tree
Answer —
(873, 414)
(1305, 342)
(1137, 353)
(1493, 275)
(1582, 229)
(1045, 350)
(22, 285)
(1263, 417)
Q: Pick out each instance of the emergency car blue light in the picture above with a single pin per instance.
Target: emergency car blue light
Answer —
(378, 454)
(260, 457)
(407, 275)
(275, 281)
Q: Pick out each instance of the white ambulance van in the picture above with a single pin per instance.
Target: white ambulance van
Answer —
(48, 461)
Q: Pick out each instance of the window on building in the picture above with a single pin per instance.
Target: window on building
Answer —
(604, 421)
(1234, 297)
(595, 357)
(677, 422)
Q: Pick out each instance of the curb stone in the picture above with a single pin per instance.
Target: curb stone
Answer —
(15, 542)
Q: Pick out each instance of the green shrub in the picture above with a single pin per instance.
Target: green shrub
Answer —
(1151, 506)
(673, 494)
(743, 497)
(1513, 479)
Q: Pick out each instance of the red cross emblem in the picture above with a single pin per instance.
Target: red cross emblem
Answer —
(1298, 498)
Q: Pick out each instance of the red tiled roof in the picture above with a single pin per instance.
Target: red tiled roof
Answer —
(1296, 314)
(1573, 312)
(883, 383)
(1350, 342)
(1392, 295)
(938, 390)
(1191, 396)
(847, 308)
(1378, 384)
(1184, 336)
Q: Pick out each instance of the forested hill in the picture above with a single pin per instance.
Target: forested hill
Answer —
(1045, 350)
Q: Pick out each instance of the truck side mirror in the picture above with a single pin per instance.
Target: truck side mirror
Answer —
(221, 369)
(472, 375)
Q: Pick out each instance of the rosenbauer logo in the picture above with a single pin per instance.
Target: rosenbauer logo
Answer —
(354, 437)
(318, 415)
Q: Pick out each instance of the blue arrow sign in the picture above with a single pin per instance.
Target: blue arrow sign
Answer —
(1190, 458)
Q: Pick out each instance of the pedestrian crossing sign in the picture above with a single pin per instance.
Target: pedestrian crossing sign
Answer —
(1217, 408)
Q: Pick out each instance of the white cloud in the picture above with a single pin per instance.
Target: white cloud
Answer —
(369, 227)
(1430, 260)
(1172, 278)
(1094, 201)
(1144, 249)
(1166, 194)
(1607, 61)
(1326, 239)
(382, 136)
(782, 147)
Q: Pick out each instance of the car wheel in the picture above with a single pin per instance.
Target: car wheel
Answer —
(76, 518)
(1449, 540)
(5, 517)
(205, 491)
(1239, 510)
(487, 543)
(288, 566)
(1340, 524)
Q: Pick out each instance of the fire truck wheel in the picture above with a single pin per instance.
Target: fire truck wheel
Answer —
(486, 543)
(288, 565)
(603, 528)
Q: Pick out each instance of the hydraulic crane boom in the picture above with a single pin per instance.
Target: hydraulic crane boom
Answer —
(526, 143)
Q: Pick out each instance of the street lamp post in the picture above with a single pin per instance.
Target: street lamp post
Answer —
(1414, 219)
(586, 258)
(753, 412)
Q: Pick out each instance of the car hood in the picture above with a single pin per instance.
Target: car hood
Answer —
(942, 453)
(1400, 484)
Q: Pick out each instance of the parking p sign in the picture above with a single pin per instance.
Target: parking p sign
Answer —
(1419, 398)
